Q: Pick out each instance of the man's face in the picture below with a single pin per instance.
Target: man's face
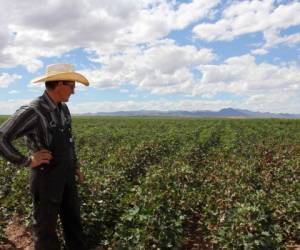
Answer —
(65, 90)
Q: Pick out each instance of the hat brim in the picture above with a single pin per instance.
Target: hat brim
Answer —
(66, 76)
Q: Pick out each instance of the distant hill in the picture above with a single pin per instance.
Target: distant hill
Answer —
(227, 112)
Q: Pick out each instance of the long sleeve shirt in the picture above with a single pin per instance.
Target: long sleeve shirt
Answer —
(29, 123)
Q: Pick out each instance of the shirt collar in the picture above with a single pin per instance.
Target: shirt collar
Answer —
(49, 102)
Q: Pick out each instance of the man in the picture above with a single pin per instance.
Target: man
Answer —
(46, 126)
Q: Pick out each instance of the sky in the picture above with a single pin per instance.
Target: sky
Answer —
(155, 54)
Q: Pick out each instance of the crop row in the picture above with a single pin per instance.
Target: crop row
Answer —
(160, 183)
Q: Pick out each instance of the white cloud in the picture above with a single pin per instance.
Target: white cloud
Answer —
(31, 29)
(263, 86)
(244, 17)
(164, 105)
(279, 102)
(129, 38)
(12, 92)
(259, 51)
(242, 76)
(36, 87)
(6, 79)
(256, 84)
(124, 90)
(273, 38)
(162, 67)
(8, 107)
(156, 69)
(261, 102)
(158, 21)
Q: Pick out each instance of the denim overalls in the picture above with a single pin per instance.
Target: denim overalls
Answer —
(54, 193)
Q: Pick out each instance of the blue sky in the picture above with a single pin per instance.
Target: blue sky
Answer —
(155, 54)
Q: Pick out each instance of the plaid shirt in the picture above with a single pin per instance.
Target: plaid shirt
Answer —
(30, 123)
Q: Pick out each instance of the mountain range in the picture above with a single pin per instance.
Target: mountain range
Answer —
(226, 112)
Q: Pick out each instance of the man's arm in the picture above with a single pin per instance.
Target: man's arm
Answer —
(22, 122)
(68, 117)
(78, 173)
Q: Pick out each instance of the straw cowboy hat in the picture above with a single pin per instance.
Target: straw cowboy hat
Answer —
(61, 72)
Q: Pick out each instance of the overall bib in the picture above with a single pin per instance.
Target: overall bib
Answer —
(54, 193)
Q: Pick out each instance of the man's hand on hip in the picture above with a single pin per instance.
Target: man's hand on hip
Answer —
(40, 157)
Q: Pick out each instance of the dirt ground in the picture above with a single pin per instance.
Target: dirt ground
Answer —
(19, 238)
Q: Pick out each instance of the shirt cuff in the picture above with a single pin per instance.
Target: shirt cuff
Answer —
(26, 162)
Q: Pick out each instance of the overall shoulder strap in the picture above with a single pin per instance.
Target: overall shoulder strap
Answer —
(37, 107)
(67, 114)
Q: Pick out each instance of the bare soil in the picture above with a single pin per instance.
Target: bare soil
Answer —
(17, 235)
